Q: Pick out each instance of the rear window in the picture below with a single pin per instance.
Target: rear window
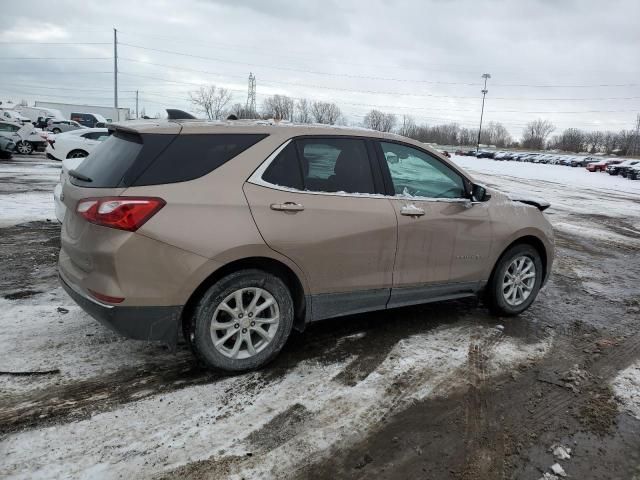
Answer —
(125, 160)
(109, 162)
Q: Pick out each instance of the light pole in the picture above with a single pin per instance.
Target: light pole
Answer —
(484, 94)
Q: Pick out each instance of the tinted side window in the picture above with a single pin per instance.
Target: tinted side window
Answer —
(284, 170)
(335, 165)
(416, 173)
(192, 156)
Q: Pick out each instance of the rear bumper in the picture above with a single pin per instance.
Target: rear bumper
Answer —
(138, 323)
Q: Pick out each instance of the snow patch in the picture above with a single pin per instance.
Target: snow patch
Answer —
(217, 421)
(626, 387)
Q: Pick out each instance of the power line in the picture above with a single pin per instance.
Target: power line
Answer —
(55, 58)
(309, 55)
(316, 72)
(55, 43)
(307, 85)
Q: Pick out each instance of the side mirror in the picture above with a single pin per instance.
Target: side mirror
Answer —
(479, 194)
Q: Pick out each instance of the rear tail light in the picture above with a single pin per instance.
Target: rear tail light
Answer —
(123, 213)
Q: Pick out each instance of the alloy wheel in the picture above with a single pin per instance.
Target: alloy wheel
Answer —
(519, 280)
(244, 323)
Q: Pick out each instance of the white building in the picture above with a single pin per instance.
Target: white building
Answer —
(110, 113)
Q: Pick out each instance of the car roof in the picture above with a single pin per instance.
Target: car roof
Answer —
(80, 131)
(250, 126)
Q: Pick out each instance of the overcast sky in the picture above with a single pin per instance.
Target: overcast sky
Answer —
(576, 63)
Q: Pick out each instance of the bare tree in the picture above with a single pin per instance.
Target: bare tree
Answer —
(278, 107)
(407, 127)
(535, 134)
(240, 111)
(303, 111)
(325, 112)
(211, 101)
(594, 141)
(497, 135)
(377, 120)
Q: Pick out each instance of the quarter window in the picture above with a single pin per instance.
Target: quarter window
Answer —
(418, 174)
(284, 170)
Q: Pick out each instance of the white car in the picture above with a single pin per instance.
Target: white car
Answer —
(72, 147)
(13, 116)
(75, 144)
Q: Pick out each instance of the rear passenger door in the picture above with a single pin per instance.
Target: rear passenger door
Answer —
(318, 201)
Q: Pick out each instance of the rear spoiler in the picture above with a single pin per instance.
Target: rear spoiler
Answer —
(540, 204)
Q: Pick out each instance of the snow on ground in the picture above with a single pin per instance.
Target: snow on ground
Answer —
(627, 388)
(26, 190)
(166, 431)
(18, 208)
(74, 343)
(575, 177)
(222, 420)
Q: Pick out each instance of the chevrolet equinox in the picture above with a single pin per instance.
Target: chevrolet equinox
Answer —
(236, 232)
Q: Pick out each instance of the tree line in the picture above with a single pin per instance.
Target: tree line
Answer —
(215, 102)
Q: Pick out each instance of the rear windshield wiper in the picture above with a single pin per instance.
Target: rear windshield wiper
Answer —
(79, 176)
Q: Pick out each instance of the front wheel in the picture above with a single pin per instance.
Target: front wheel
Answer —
(56, 131)
(515, 282)
(241, 322)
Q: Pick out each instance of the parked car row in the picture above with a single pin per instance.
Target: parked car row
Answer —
(613, 166)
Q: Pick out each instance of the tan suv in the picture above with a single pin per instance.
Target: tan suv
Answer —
(236, 232)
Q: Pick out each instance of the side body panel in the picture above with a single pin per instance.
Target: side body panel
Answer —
(343, 243)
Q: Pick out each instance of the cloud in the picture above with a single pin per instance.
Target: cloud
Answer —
(422, 58)
(26, 30)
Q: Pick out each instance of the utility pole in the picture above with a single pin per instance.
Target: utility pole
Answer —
(115, 74)
(484, 94)
(636, 138)
(136, 104)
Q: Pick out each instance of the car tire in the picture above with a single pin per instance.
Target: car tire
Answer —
(77, 154)
(240, 326)
(56, 131)
(24, 148)
(499, 293)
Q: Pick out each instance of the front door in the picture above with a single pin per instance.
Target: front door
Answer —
(443, 238)
(318, 203)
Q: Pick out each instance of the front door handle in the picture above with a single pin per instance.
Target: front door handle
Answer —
(411, 211)
(287, 207)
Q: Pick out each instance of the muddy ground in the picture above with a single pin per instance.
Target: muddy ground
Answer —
(478, 421)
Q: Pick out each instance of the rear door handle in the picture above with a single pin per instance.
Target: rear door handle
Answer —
(287, 207)
(411, 211)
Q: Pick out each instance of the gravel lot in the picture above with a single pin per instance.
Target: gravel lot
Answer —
(439, 391)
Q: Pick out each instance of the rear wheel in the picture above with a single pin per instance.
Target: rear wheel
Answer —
(77, 154)
(24, 148)
(515, 281)
(56, 130)
(242, 322)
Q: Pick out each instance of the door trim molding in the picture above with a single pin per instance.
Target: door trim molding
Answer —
(404, 296)
(331, 305)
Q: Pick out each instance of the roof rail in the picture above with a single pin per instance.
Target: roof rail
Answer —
(175, 114)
